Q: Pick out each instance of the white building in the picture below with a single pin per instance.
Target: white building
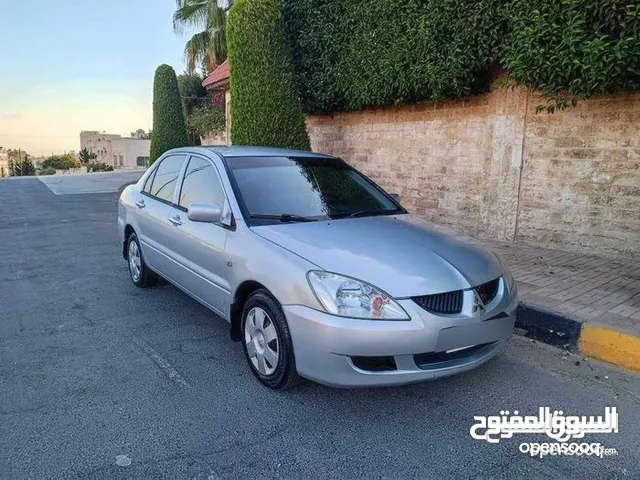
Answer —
(130, 152)
(4, 163)
(115, 150)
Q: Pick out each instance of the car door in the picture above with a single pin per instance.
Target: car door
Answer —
(153, 208)
(198, 248)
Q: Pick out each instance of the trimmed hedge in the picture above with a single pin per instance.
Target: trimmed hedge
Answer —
(169, 130)
(574, 49)
(265, 108)
(366, 53)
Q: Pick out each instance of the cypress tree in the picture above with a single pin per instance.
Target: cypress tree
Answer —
(265, 106)
(169, 129)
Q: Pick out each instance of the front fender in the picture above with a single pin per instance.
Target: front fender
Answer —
(282, 272)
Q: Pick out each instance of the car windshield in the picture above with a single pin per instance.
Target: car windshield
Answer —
(282, 189)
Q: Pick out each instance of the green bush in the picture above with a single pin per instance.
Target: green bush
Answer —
(266, 109)
(46, 171)
(61, 162)
(205, 120)
(99, 167)
(367, 53)
(574, 49)
(169, 130)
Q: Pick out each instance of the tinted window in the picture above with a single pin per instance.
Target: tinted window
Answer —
(164, 182)
(313, 188)
(149, 181)
(201, 184)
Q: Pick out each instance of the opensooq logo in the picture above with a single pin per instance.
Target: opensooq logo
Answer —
(554, 424)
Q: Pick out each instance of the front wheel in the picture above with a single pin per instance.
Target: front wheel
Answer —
(267, 342)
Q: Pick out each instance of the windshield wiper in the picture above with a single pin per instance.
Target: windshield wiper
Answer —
(366, 213)
(284, 218)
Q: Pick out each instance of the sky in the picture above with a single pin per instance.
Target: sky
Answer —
(80, 65)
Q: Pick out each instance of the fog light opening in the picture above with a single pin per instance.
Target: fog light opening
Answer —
(375, 364)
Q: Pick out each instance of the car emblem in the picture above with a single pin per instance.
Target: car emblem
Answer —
(478, 304)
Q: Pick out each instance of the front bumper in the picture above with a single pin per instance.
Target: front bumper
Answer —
(327, 348)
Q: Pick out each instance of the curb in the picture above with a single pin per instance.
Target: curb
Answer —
(613, 347)
(548, 326)
(566, 332)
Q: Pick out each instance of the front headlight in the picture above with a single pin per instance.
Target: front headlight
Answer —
(348, 297)
(511, 282)
(507, 275)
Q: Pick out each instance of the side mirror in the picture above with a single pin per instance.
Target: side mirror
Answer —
(204, 212)
(395, 196)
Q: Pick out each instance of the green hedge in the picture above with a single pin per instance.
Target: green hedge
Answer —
(169, 130)
(361, 53)
(265, 109)
(572, 49)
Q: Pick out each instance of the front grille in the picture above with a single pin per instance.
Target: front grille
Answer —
(487, 291)
(449, 302)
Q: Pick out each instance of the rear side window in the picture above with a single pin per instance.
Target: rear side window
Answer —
(165, 177)
(201, 184)
(149, 181)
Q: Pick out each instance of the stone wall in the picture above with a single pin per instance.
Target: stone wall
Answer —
(494, 168)
(214, 138)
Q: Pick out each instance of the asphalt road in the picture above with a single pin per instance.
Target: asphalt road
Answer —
(99, 379)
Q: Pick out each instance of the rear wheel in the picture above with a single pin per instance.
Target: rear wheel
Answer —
(140, 274)
(267, 342)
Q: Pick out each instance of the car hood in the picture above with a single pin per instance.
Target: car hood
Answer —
(401, 254)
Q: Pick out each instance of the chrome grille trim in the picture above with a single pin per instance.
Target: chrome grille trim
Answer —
(449, 303)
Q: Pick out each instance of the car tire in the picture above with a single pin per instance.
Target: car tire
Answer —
(140, 274)
(266, 341)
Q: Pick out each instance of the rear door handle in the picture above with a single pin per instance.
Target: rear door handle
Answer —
(140, 203)
(175, 219)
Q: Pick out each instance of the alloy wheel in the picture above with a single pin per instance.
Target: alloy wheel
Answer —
(135, 262)
(261, 339)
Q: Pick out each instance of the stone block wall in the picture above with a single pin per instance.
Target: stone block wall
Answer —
(492, 167)
(580, 186)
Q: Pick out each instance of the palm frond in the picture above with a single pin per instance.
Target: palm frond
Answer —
(192, 13)
(208, 47)
(196, 50)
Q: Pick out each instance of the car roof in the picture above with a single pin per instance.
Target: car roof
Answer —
(230, 152)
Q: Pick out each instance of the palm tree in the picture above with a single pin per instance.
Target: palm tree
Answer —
(207, 48)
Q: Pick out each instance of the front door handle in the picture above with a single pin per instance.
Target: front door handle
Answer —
(140, 203)
(175, 219)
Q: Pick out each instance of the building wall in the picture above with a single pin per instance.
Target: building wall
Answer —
(214, 138)
(4, 164)
(115, 150)
(492, 167)
(227, 115)
(125, 151)
(99, 143)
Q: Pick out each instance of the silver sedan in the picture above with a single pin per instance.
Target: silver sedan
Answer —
(319, 272)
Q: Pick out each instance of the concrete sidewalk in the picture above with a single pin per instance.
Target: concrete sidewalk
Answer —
(578, 301)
